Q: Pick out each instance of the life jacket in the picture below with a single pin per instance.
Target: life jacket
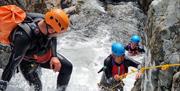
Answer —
(118, 68)
(40, 58)
(132, 51)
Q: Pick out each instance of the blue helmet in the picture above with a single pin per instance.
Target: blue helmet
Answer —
(118, 49)
(135, 39)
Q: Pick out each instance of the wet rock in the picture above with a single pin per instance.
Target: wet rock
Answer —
(162, 40)
(144, 4)
(68, 5)
(39, 6)
(173, 73)
(4, 55)
(176, 82)
(137, 85)
(27, 5)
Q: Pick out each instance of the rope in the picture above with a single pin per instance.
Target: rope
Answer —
(163, 67)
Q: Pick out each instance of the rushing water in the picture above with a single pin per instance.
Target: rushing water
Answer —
(88, 42)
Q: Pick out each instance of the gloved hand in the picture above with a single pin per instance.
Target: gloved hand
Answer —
(117, 77)
(55, 64)
(138, 75)
(3, 85)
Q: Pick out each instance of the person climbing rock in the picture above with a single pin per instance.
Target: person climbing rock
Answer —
(33, 44)
(115, 67)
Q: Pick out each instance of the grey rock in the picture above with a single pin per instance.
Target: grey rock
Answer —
(137, 85)
(4, 59)
(40, 6)
(176, 82)
(162, 40)
(144, 4)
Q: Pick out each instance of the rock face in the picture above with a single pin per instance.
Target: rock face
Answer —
(4, 55)
(145, 5)
(27, 5)
(176, 81)
(162, 40)
(38, 5)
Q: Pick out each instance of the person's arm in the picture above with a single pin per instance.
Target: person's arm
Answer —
(126, 47)
(108, 70)
(131, 62)
(55, 62)
(21, 43)
(141, 49)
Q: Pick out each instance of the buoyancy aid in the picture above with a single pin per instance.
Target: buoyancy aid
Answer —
(118, 68)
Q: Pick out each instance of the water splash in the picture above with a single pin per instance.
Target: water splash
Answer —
(88, 43)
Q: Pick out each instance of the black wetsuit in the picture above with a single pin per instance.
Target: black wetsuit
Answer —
(107, 77)
(24, 46)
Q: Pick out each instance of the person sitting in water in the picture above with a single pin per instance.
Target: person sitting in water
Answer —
(133, 47)
(116, 65)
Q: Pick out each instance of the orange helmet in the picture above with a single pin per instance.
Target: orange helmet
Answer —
(57, 19)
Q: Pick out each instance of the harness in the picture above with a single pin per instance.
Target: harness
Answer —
(41, 53)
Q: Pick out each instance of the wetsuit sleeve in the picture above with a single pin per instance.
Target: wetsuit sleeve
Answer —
(21, 43)
(54, 46)
(126, 47)
(107, 66)
(131, 62)
(108, 71)
(141, 49)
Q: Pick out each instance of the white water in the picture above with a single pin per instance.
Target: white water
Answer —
(87, 44)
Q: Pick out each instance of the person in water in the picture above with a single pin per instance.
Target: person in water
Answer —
(133, 47)
(116, 65)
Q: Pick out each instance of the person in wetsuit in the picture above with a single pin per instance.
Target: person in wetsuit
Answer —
(34, 45)
(116, 65)
(133, 47)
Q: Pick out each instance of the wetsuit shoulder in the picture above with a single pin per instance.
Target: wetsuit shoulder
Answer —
(108, 60)
(108, 66)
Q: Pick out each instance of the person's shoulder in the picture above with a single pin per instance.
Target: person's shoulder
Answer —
(108, 59)
(31, 29)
